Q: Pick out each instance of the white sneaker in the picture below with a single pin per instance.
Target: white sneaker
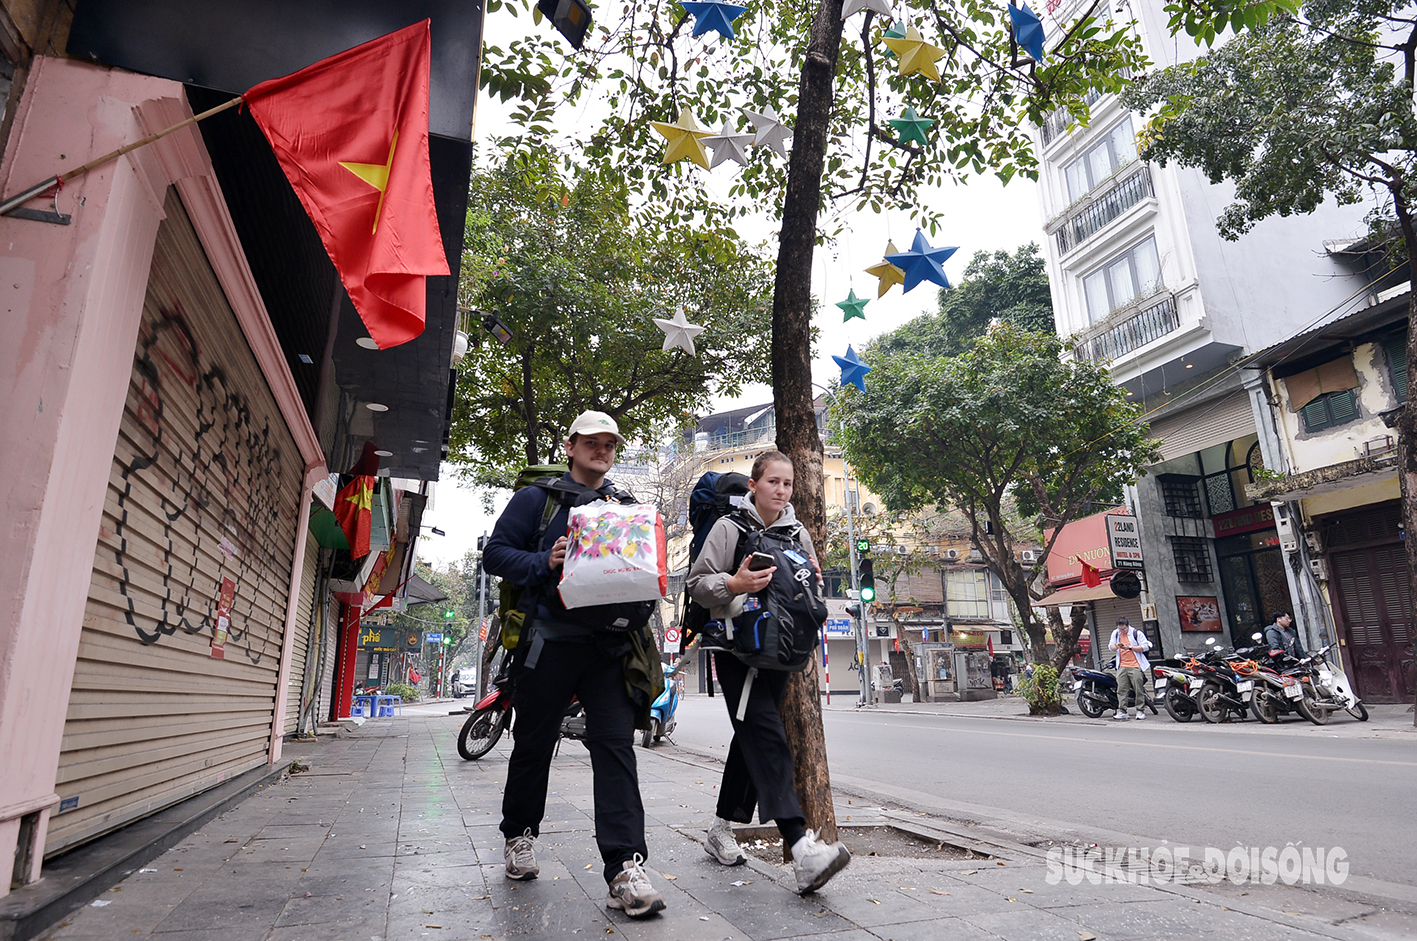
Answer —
(815, 862)
(520, 853)
(721, 844)
(1120, 715)
(631, 891)
(1141, 713)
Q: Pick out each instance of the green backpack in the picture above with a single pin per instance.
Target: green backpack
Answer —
(509, 612)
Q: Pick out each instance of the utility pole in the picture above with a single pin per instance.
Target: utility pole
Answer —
(859, 628)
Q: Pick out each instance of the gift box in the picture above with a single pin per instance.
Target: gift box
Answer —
(615, 552)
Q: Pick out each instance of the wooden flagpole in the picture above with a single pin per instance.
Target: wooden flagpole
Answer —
(19, 199)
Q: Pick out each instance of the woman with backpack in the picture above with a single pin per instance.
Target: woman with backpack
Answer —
(758, 771)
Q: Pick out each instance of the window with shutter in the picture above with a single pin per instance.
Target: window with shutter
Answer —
(1396, 349)
(1329, 410)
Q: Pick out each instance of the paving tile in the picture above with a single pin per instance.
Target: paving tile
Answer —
(353, 908)
(1027, 924)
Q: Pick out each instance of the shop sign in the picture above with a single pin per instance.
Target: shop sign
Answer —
(1245, 520)
(379, 638)
(1124, 541)
(838, 627)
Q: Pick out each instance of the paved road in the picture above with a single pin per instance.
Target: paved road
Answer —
(1193, 784)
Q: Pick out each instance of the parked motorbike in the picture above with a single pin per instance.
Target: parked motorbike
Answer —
(662, 710)
(1217, 690)
(1333, 687)
(487, 721)
(1172, 685)
(1097, 692)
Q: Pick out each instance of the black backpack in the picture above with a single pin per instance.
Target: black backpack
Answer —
(714, 496)
(779, 627)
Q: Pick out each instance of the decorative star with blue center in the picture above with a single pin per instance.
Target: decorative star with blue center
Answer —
(912, 127)
(1028, 30)
(853, 306)
(923, 263)
(853, 371)
(711, 14)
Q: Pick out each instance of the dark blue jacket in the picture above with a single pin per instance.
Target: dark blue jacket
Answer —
(510, 554)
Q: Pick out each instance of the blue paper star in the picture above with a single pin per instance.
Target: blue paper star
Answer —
(853, 371)
(1028, 29)
(712, 14)
(923, 263)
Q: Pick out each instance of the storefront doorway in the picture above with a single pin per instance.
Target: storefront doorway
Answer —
(1252, 576)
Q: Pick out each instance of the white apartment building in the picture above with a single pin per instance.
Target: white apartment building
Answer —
(1142, 280)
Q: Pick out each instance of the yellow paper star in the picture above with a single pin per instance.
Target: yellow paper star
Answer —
(916, 55)
(887, 272)
(376, 175)
(684, 137)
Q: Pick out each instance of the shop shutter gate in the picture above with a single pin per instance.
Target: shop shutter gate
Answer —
(304, 621)
(204, 487)
(1209, 423)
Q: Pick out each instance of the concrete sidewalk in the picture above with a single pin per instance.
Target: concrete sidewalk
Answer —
(391, 836)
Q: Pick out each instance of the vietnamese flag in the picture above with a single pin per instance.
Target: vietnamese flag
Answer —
(1090, 576)
(353, 509)
(351, 134)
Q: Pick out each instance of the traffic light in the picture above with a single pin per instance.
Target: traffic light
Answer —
(449, 614)
(863, 545)
(868, 580)
(447, 640)
(854, 609)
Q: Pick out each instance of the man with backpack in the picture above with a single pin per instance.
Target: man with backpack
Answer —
(756, 575)
(562, 654)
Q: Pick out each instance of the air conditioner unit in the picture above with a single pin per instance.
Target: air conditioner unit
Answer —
(952, 554)
(932, 550)
(1029, 555)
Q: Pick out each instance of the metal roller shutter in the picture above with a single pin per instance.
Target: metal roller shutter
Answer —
(304, 621)
(1210, 423)
(204, 486)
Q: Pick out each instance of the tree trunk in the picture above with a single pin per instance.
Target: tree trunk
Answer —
(1065, 639)
(792, 379)
(911, 675)
(1407, 422)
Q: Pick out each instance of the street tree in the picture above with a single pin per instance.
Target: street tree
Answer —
(789, 57)
(578, 283)
(1311, 106)
(1012, 419)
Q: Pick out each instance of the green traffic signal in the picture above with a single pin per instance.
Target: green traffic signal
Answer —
(868, 580)
(449, 614)
(863, 545)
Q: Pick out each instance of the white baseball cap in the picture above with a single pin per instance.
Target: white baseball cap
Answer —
(594, 423)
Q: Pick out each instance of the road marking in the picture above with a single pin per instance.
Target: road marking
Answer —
(1252, 752)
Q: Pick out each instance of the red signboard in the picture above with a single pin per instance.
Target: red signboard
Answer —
(1083, 540)
(1246, 520)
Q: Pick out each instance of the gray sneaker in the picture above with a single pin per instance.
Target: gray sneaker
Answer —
(631, 892)
(520, 853)
(815, 862)
(721, 844)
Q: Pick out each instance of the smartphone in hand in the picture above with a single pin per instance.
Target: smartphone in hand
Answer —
(760, 561)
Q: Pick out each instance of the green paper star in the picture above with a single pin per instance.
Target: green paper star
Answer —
(853, 306)
(912, 127)
(895, 31)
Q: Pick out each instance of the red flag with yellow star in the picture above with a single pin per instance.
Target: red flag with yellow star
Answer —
(353, 507)
(351, 134)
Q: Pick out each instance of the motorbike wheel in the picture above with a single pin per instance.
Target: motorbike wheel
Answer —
(1090, 707)
(648, 735)
(1179, 706)
(1358, 711)
(1208, 703)
(1310, 709)
(1264, 707)
(481, 731)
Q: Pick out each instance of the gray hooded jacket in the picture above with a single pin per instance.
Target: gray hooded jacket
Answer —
(708, 578)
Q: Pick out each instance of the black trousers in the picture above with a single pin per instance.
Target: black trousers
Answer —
(566, 668)
(758, 772)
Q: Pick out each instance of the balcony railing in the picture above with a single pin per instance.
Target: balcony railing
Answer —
(1089, 215)
(1057, 122)
(1132, 332)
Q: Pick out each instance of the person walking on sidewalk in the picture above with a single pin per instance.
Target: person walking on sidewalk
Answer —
(758, 771)
(1131, 665)
(557, 659)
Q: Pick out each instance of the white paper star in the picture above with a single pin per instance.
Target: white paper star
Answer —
(771, 132)
(852, 7)
(679, 333)
(728, 144)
